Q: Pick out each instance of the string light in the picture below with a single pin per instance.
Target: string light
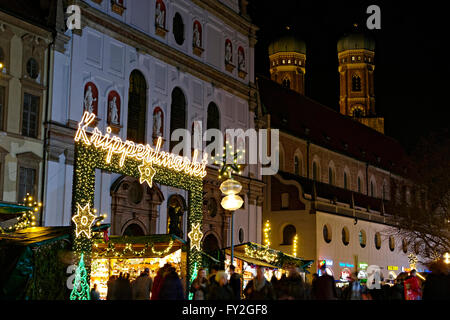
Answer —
(447, 258)
(28, 218)
(267, 232)
(195, 235)
(128, 149)
(80, 289)
(129, 251)
(264, 254)
(88, 158)
(294, 246)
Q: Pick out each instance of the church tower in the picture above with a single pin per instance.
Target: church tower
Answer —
(287, 57)
(356, 53)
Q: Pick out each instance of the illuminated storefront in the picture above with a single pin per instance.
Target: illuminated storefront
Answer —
(132, 255)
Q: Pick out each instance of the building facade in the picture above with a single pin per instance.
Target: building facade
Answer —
(146, 68)
(24, 52)
(337, 174)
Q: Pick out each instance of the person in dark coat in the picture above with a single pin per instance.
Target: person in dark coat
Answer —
(398, 290)
(259, 288)
(95, 295)
(171, 288)
(315, 276)
(437, 284)
(142, 286)
(123, 288)
(157, 281)
(220, 290)
(325, 288)
(235, 282)
(111, 288)
(292, 287)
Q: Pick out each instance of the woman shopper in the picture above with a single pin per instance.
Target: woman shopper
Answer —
(220, 290)
(199, 285)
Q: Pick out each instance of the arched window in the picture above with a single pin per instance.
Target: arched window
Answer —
(372, 189)
(362, 238)
(345, 236)
(391, 243)
(330, 175)
(286, 83)
(288, 234)
(405, 246)
(177, 113)
(297, 165)
(178, 29)
(327, 233)
(137, 107)
(359, 185)
(384, 194)
(356, 83)
(315, 171)
(213, 121)
(133, 230)
(345, 180)
(377, 240)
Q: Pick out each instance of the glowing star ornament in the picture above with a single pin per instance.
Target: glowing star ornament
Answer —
(196, 236)
(83, 221)
(147, 173)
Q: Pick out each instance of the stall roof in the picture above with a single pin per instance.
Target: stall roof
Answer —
(151, 246)
(6, 207)
(280, 258)
(39, 235)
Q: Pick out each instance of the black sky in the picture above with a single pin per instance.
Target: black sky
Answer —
(411, 57)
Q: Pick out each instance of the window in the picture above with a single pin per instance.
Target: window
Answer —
(30, 116)
(137, 107)
(359, 185)
(330, 175)
(326, 233)
(178, 29)
(372, 189)
(32, 68)
(384, 194)
(2, 107)
(345, 180)
(213, 121)
(377, 240)
(345, 236)
(362, 238)
(405, 246)
(288, 234)
(356, 83)
(296, 165)
(241, 235)
(391, 243)
(177, 113)
(27, 183)
(286, 83)
(315, 173)
(2, 57)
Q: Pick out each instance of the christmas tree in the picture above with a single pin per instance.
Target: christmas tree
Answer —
(80, 289)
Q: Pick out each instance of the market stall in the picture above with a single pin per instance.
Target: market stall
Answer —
(132, 255)
(248, 256)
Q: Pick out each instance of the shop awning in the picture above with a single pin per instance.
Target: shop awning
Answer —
(151, 246)
(257, 254)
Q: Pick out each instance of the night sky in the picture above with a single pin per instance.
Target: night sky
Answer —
(411, 63)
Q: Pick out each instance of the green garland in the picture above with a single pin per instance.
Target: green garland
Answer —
(89, 158)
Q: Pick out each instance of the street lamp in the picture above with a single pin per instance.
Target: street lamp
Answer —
(231, 202)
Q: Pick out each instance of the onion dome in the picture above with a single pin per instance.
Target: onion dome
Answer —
(354, 41)
(287, 43)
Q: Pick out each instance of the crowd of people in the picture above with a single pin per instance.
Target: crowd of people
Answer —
(219, 285)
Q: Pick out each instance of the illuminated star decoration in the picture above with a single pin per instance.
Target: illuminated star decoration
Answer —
(83, 220)
(147, 173)
(412, 260)
(196, 236)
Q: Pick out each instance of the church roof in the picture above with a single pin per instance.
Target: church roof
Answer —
(357, 40)
(300, 116)
(287, 43)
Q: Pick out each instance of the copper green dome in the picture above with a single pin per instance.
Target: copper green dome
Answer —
(287, 44)
(356, 41)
